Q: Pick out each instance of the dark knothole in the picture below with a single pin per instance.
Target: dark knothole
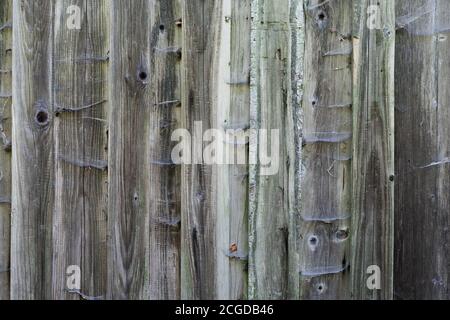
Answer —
(143, 75)
(42, 117)
(313, 240)
(322, 19)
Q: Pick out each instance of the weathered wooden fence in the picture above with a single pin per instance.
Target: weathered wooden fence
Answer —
(92, 91)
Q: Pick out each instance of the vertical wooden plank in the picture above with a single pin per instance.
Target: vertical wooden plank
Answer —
(5, 144)
(128, 150)
(33, 155)
(129, 158)
(216, 52)
(326, 151)
(165, 178)
(232, 104)
(271, 193)
(373, 148)
(422, 150)
(143, 254)
(79, 91)
(294, 135)
(201, 27)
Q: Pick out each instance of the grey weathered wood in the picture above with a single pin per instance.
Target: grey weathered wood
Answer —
(232, 108)
(325, 205)
(141, 227)
(216, 66)
(5, 144)
(422, 143)
(143, 259)
(33, 181)
(272, 197)
(80, 77)
(201, 21)
(164, 273)
(373, 149)
(294, 138)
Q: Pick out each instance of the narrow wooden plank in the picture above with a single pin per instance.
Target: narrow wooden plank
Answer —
(294, 135)
(79, 80)
(201, 27)
(373, 146)
(143, 254)
(33, 156)
(271, 192)
(5, 144)
(129, 159)
(422, 150)
(165, 181)
(216, 52)
(232, 105)
(327, 151)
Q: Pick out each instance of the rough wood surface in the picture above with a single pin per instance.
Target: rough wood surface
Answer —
(86, 170)
(422, 139)
(5, 144)
(270, 196)
(33, 182)
(216, 67)
(164, 273)
(80, 77)
(232, 113)
(326, 151)
(143, 260)
(201, 27)
(373, 149)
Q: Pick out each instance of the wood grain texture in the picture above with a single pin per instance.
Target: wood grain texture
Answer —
(216, 71)
(5, 144)
(143, 259)
(164, 273)
(33, 151)
(270, 196)
(325, 206)
(422, 150)
(86, 170)
(232, 109)
(201, 27)
(373, 149)
(80, 213)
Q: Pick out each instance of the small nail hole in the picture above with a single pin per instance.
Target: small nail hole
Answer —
(320, 287)
(135, 198)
